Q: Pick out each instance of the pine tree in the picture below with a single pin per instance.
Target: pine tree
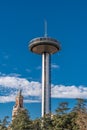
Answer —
(80, 105)
(37, 124)
(64, 119)
(63, 108)
(4, 123)
(47, 122)
(81, 111)
(21, 121)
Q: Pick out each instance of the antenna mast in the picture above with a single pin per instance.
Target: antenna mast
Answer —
(45, 26)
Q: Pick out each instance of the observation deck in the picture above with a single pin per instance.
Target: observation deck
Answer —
(44, 45)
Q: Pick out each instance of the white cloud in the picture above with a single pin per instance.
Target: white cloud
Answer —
(31, 101)
(15, 75)
(54, 66)
(11, 85)
(62, 91)
(28, 70)
(32, 90)
(9, 98)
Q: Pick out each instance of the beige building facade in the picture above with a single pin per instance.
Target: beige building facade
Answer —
(18, 105)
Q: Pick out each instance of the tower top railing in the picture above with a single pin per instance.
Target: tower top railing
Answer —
(38, 39)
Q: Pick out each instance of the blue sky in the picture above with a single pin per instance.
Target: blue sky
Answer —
(23, 20)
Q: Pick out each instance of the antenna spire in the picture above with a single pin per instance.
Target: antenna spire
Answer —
(45, 26)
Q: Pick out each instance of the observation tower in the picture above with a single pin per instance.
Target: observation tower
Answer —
(45, 46)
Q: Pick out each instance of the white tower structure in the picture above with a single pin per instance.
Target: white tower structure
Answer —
(45, 46)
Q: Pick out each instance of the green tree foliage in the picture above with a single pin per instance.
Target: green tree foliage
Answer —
(81, 110)
(62, 109)
(21, 121)
(81, 105)
(36, 124)
(4, 123)
(64, 119)
(47, 122)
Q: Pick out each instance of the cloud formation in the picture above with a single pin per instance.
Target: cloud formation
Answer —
(61, 91)
(9, 86)
(54, 66)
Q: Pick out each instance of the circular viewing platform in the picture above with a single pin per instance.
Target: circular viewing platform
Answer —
(44, 45)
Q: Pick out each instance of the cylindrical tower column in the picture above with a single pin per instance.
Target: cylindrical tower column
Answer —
(46, 86)
(45, 46)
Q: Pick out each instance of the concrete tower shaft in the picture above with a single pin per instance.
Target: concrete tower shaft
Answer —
(45, 46)
(46, 84)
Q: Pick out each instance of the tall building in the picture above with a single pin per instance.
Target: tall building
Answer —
(45, 46)
(18, 105)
